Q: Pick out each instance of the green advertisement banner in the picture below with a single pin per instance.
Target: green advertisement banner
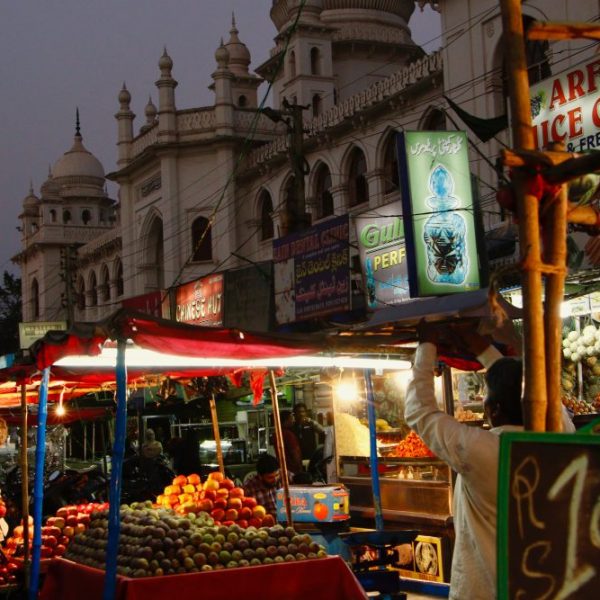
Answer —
(439, 213)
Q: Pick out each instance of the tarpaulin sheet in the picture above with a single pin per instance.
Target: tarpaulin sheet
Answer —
(321, 579)
(167, 337)
(71, 415)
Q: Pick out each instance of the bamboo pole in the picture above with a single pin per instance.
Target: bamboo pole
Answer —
(24, 483)
(280, 450)
(217, 434)
(535, 399)
(555, 228)
(563, 31)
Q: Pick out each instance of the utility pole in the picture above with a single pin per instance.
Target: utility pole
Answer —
(68, 256)
(542, 349)
(294, 216)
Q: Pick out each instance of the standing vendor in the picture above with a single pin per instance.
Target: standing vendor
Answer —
(306, 430)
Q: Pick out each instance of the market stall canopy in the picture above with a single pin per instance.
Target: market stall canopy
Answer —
(79, 414)
(167, 337)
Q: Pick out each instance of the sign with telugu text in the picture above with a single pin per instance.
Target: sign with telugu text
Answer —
(566, 108)
(35, 330)
(438, 212)
(312, 272)
(548, 516)
(380, 234)
(200, 302)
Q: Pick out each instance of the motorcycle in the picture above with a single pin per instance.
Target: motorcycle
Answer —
(145, 478)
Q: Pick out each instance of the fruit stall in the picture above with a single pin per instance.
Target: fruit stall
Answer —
(186, 343)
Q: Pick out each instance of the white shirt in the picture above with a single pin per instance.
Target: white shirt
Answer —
(473, 453)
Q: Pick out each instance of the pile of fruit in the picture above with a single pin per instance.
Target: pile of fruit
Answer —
(155, 542)
(412, 446)
(579, 407)
(577, 346)
(9, 573)
(56, 533)
(218, 496)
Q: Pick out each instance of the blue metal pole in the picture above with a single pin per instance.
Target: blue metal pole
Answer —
(110, 580)
(374, 462)
(38, 485)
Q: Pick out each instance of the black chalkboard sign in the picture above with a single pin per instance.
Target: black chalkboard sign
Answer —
(549, 516)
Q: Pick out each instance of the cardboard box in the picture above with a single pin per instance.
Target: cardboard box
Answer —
(315, 503)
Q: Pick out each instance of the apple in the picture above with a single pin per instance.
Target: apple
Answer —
(268, 521)
(69, 531)
(79, 528)
(254, 522)
(210, 494)
(228, 484)
(243, 523)
(249, 502)
(2, 510)
(216, 475)
(245, 513)
(60, 549)
(220, 503)
(259, 512)
(71, 520)
(234, 503)
(237, 492)
(222, 493)
(218, 514)
(83, 518)
(62, 512)
(180, 480)
(231, 514)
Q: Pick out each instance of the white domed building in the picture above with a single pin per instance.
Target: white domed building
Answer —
(73, 210)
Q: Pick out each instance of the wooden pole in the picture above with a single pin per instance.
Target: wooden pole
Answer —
(555, 227)
(280, 450)
(24, 483)
(217, 434)
(563, 31)
(535, 400)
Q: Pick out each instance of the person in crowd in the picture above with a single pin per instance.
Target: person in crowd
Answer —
(470, 451)
(306, 430)
(291, 445)
(151, 448)
(263, 486)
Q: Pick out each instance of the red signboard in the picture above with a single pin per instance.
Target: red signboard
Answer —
(200, 302)
(154, 303)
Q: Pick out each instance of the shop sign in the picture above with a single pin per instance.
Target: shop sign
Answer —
(548, 515)
(248, 297)
(438, 212)
(154, 303)
(36, 330)
(312, 272)
(200, 302)
(380, 236)
(566, 108)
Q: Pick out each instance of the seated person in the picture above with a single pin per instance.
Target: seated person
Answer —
(263, 486)
(151, 448)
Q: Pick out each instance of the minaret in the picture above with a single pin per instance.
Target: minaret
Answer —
(125, 119)
(222, 78)
(167, 118)
(150, 113)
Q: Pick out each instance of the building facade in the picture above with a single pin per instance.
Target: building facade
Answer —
(208, 189)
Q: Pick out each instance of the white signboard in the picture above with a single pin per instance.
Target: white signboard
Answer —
(566, 108)
(30, 332)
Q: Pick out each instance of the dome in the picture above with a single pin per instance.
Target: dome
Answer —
(165, 62)
(78, 162)
(222, 55)
(124, 95)
(49, 189)
(239, 55)
(31, 200)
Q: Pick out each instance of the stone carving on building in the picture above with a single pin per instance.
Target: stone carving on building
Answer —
(150, 185)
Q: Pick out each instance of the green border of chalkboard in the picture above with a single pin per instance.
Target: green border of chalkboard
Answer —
(584, 436)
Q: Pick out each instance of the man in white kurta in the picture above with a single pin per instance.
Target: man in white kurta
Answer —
(473, 453)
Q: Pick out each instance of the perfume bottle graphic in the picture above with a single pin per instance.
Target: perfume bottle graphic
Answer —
(444, 232)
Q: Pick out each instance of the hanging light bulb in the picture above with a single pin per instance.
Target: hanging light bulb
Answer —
(60, 409)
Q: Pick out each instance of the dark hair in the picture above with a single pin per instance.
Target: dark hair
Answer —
(504, 382)
(299, 405)
(266, 463)
(284, 415)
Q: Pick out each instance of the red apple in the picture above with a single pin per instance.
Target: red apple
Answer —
(234, 503)
(242, 523)
(228, 484)
(218, 514)
(210, 495)
(254, 522)
(231, 514)
(236, 492)
(245, 513)
(220, 503)
(249, 502)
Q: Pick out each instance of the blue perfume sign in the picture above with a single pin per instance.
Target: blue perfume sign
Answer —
(438, 213)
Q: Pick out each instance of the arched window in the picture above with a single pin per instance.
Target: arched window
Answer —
(316, 105)
(66, 216)
(323, 195)
(52, 215)
(315, 61)
(358, 190)
(35, 299)
(80, 293)
(93, 289)
(201, 240)
(435, 121)
(536, 55)
(242, 101)
(292, 64)
(266, 216)
(86, 216)
(391, 181)
(119, 278)
(104, 284)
